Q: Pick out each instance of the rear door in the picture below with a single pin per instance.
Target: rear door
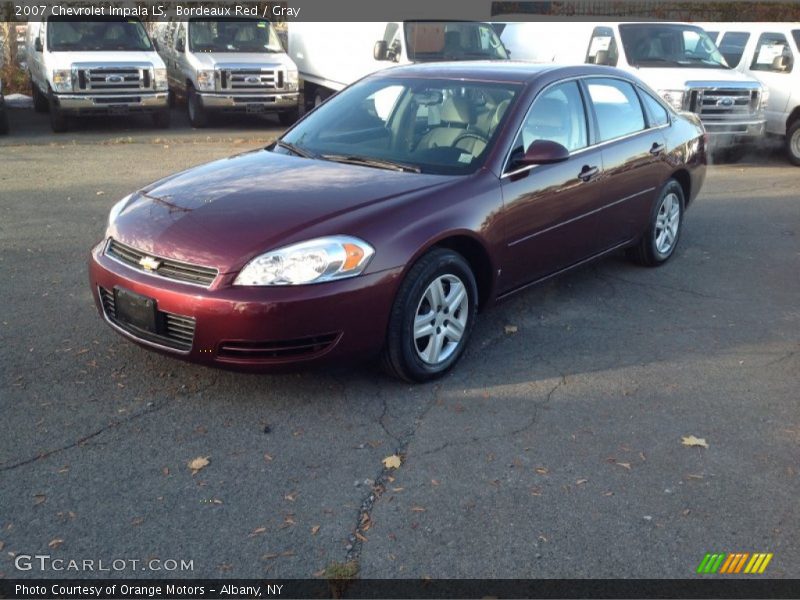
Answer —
(634, 157)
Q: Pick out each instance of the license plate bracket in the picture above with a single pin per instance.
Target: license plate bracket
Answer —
(118, 109)
(256, 108)
(135, 309)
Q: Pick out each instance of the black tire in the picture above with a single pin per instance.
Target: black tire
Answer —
(647, 252)
(58, 121)
(162, 119)
(3, 121)
(288, 117)
(401, 355)
(793, 143)
(40, 103)
(198, 115)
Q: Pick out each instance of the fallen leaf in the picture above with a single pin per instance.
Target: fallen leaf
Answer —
(690, 440)
(2, 545)
(536, 492)
(581, 481)
(542, 470)
(315, 530)
(417, 509)
(267, 457)
(55, 543)
(216, 501)
(693, 476)
(608, 493)
(165, 471)
(509, 329)
(291, 497)
(100, 193)
(434, 482)
(624, 465)
(392, 462)
(38, 499)
(398, 489)
(198, 463)
(686, 512)
(362, 538)
(319, 573)
(137, 521)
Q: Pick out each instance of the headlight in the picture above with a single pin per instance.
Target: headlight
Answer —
(205, 80)
(117, 208)
(62, 80)
(315, 261)
(764, 98)
(160, 78)
(673, 97)
(291, 79)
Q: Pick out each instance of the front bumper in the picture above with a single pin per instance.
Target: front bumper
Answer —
(258, 329)
(722, 133)
(107, 103)
(251, 102)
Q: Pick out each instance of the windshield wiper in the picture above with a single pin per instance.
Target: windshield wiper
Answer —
(378, 163)
(296, 149)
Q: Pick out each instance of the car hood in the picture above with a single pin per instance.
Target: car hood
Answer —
(65, 60)
(266, 60)
(677, 78)
(224, 213)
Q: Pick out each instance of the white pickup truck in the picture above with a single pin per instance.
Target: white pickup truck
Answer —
(678, 60)
(102, 66)
(228, 65)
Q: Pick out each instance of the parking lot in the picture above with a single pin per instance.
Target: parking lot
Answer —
(554, 449)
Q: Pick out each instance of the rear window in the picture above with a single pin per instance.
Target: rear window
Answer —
(617, 107)
(732, 46)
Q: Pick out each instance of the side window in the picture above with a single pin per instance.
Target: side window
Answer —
(796, 36)
(558, 115)
(713, 35)
(731, 46)
(656, 112)
(617, 107)
(772, 54)
(602, 48)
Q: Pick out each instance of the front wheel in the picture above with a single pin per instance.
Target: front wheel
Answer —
(661, 238)
(198, 116)
(40, 104)
(432, 317)
(58, 120)
(793, 143)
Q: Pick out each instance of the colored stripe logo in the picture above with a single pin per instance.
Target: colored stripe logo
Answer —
(732, 563)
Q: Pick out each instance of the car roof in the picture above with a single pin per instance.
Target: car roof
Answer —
(505, 71)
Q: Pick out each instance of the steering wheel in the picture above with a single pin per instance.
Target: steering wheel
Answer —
(470, 135)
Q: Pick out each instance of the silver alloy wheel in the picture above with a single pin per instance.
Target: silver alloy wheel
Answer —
(794, 144)
(668, 220)
(441, 319)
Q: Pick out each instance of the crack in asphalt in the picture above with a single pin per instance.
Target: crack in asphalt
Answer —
(648, 284)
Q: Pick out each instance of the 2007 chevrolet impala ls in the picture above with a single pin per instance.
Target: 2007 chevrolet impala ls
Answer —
(384, 219)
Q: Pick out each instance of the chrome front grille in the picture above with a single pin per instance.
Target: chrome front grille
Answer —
(250, 79)
(175, 332)
(167, 268)
(721, 104)
(114, 79)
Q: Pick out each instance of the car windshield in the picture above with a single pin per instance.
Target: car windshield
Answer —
(64, 35)
(231, 35)
(676, 46)
(438, 40)
(421, 125)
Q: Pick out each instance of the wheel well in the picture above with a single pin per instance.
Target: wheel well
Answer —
(478, 259)
(794, 116)
(682, 177)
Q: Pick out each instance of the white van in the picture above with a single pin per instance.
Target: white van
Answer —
(770, 52)
(99, 66)
(228, 65)
(331, 56)
(678, 60)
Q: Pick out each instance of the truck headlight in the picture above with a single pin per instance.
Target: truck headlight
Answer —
(764, 98)
(160, 78)
(62, 80)
(314, 261)
(291, 79)
(205, 81)
(673, 97)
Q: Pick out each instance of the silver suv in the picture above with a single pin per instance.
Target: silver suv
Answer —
(232, 65)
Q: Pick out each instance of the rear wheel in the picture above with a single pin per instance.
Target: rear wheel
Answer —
(432, 317)
(661, 238)
(58, 120)
(793, 143)
(198, 115)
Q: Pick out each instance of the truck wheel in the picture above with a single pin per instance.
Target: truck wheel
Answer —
(58, 121)
(288, 117)
(40, 104)
(3, 122)
(198, 116)
(793, 143)
(162, 118)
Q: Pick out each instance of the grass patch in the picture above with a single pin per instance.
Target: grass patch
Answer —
(15, 80)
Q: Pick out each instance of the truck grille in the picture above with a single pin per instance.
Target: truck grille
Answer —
(174, 331)
(250, 79)
(724, 104)
(115, 79)
(167, 268)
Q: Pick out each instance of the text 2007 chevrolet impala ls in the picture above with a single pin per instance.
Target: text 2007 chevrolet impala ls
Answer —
(386, 217)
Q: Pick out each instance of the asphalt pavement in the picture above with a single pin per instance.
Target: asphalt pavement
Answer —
(554, 449)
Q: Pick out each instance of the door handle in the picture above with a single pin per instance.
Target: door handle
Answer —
(588, 173)
(656, 148)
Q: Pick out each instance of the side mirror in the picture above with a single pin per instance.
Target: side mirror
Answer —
(380, 50)
(37, 45)
(543, 152)
(180, 45)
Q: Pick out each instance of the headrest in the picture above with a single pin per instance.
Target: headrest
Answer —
(456, 110)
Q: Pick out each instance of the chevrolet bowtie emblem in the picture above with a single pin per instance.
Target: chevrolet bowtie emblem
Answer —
(149, 263)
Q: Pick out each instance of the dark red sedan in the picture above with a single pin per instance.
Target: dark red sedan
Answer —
(382, 221)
